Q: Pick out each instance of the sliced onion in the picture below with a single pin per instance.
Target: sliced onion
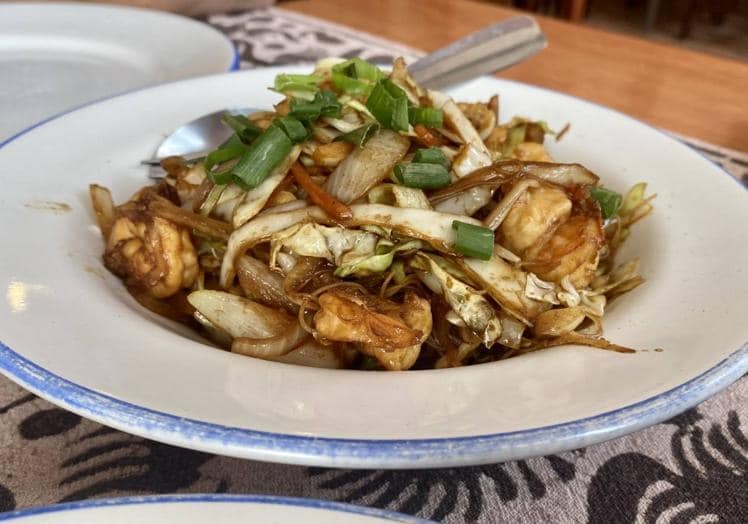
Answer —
(473, 155)
(500, 172)
(367, 166)
(262, 284)
(342, 125)
(399, 196)
(499, 213)
(325, 135)
(456, 119)
(275, 346)
(473, 191)
(216, 334)
(238, 316)
(561, 174)
(313, 354)
(491, 176)
(506, 254)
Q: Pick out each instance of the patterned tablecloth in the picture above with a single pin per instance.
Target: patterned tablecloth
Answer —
(693, 468)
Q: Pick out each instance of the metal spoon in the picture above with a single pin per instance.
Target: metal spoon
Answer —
(491, 49)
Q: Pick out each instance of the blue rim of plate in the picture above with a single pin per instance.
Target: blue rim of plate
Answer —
(220, 498)
(382, 453)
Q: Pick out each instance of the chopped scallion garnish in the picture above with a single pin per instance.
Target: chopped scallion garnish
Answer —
(355, 76)
(389, 105)
(360, 135)
(232, 149)
(293, 128)
(329, 104)
(609, 200)
(325, 103)
(427, 116)
(473, 241)
(242, 126)
(422, 175)
(260, 158)
(285, 83)
(432, 155)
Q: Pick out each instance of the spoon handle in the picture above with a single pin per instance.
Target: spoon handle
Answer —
(495, 47)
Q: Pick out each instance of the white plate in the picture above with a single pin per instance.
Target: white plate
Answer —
(57, 56)
(199, 509)
(73, 334)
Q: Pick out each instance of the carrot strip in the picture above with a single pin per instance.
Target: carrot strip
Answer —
(329, 204)
(426, 136)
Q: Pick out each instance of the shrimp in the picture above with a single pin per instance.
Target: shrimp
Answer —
(537, 211)
(573, 251)
(390, 332)
(553, 237)
(150, 252)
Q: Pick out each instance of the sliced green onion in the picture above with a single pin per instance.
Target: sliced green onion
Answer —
(304, 109)
(351, 86)
(329, 104)
(206, 208)
(293, 128)
(260, 158)
(355, 76)
(360, 135)
(398, 271)
(357, 105)
(285, 83)
(389, 105)
(473, 241)
(515, 137)
(367, 363)
(325, 103)
(545, 127)
(609, 200)
(400, 115)
(428, 116)
(633, 198)
(361, 69)
(432, 155)
(422, 176)
(231, 149)
(242, 126)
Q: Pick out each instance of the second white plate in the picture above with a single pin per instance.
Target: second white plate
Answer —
(57, 56)
(198, 509)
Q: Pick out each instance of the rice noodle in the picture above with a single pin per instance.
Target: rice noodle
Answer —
(262, 284)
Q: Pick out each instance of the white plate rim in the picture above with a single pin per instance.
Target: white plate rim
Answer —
(215, 498)
(375, 453)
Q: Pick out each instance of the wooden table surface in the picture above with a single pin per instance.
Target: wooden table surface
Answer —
(680, 90)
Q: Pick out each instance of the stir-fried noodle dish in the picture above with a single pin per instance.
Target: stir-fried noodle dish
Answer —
(369, 223)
